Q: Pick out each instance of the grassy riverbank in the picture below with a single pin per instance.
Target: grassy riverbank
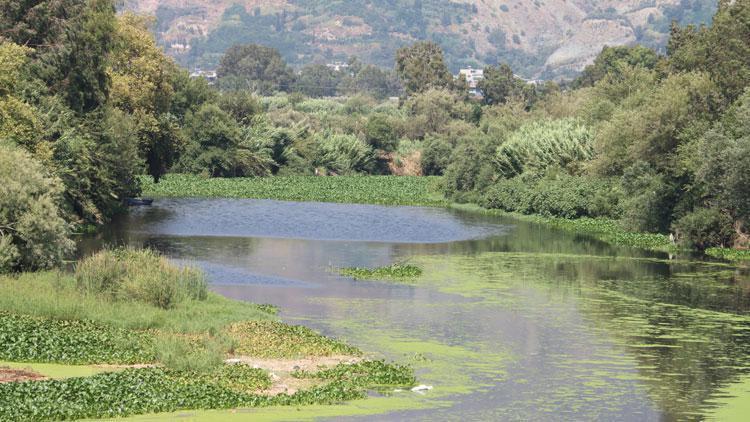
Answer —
(129, 333)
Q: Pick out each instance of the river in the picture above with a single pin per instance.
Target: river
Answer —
(510, 321)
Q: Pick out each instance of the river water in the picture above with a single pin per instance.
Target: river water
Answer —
(510, 321)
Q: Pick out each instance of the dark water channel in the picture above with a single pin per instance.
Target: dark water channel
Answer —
(511, 321)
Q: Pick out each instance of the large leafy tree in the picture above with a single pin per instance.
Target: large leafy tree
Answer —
(421, 66)
(254, 67)
(142, 86)
(499, 84)
(723, 49)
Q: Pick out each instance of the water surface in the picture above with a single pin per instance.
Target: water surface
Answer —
(511, 320)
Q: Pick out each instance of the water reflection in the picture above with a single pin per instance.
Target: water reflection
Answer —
(595, 331)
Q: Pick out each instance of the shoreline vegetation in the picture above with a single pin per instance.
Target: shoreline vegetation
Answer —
(411, 191)
(130, 333)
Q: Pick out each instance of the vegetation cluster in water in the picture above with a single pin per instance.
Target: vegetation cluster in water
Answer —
(395, 272)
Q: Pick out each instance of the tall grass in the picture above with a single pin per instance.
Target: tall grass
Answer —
(542, 144)
(139, 275)
(61, 296)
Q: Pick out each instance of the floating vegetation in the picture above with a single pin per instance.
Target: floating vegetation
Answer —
(371, 374)
(395, 272)
(32, 339)
(271, 339)
(729, 254)
(382, 190)
(153, 390)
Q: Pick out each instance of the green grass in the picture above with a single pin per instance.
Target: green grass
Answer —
(395, 272)
(383, 190)
(729, 254)
(56, 295)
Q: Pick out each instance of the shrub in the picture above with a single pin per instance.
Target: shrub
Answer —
(704, 228)
(33, 233)
(561, 196)
(141, 275)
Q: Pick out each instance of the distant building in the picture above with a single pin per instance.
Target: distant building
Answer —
(472, 76)
(208, 75)
(338, 66)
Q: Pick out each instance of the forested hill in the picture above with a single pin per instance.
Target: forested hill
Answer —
(540, 39)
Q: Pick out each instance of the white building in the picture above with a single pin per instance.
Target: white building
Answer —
(208, 75)
(472, 76)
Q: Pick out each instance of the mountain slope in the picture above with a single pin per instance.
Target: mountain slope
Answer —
(539, 38)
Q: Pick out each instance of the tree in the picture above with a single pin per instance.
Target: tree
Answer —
(499, 84)
(380, 134)
(33, 232)
(611, 61)
(317, 80)
(254, 67)
(142, 87)
(723, 49)
(421, 66)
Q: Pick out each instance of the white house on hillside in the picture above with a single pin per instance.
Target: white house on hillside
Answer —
(472, 76)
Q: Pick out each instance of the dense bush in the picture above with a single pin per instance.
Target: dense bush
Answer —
(704, 228)
(560, 196)
(436, 156)
(140, 275)
(33, 233)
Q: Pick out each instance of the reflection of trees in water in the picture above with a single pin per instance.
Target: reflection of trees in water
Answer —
(678, 321)
(685, 324)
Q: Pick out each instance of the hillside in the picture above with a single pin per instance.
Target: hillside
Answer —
(540, 39)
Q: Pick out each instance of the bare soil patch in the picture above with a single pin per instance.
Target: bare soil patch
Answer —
(19, 375)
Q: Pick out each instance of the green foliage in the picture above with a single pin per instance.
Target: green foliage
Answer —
(271, 339)
(33, 232)
(32, 339)
(540, 145)
(436, 156)
(139, 275)
(721, 49)
(395, 272)
(387, 190)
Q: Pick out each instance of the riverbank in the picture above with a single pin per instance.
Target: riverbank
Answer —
(393, 190)
(129, 333)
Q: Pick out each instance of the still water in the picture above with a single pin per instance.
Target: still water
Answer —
(511, 320)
